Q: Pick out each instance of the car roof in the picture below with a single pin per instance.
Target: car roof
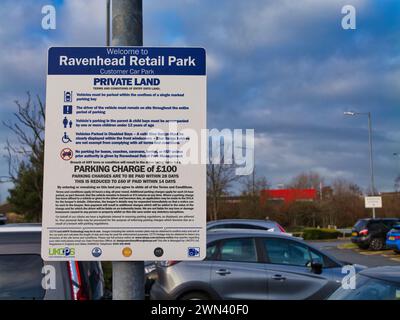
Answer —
(387, 273)
(378, 219)
(231, 233)
(246, 221)
(20, 238)
(20, 227)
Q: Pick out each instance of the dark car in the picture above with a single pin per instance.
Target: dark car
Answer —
(380, 283)
(3, 219)
(251, 264)
(371, 233)
(24, 275)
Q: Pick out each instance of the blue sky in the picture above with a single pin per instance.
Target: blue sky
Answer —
(285, 68)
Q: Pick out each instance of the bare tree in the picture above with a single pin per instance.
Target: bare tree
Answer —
(342, 186)
(219, 179)
(307, 181)
(25, 157)
(252, 186)
(251, 191)
(346, 205)
(397, 184)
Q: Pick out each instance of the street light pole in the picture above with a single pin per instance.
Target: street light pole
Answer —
(371, 161)
(396, 154)
(397, 178)
(127, 30)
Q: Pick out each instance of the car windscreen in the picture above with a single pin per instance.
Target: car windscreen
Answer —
(368, 289)
(360, 224)
(391, 223)
(21, 277)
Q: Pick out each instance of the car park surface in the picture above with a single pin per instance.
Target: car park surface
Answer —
(251, 264)
(343, 251)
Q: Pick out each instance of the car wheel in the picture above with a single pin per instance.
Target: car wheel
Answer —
(377, 244)
(397, 251)
(195, 296)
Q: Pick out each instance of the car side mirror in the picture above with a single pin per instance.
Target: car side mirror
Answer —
(316, 267)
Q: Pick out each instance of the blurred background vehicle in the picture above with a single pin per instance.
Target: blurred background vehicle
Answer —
(267, 225)
(3, 219)
(251, 264)
(150, 277)
(380, 283)
(393, 238)
(371, 233)
(22, 270)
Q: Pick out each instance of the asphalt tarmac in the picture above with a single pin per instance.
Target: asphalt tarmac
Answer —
(356, 256)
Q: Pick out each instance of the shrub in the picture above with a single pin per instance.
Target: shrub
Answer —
(297, 234)
(320, 234)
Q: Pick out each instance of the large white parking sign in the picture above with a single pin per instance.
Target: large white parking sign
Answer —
(118, 184)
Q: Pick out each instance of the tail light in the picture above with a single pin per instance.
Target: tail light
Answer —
(395, 237)
(75, 279)
(363, 232)
(168, 263)
(281, 228)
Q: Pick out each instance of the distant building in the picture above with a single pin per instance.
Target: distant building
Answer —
(288, 195)
(5, 208)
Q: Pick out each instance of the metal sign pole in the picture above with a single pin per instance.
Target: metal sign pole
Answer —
(127, 30)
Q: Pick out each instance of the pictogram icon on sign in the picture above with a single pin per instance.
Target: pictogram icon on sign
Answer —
(66, 154)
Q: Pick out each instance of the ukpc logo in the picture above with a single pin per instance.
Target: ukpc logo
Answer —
(62, 252)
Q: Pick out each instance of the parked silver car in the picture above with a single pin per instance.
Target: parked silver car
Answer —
(268, 225)
(251, 264)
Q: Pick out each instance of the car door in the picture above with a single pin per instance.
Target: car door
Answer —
(236, 272)
(289, 273)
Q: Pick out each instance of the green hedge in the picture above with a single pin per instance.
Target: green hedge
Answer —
(320, 234)
(297, 234)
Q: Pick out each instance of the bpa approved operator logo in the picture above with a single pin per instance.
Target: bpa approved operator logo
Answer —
(193, 252)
